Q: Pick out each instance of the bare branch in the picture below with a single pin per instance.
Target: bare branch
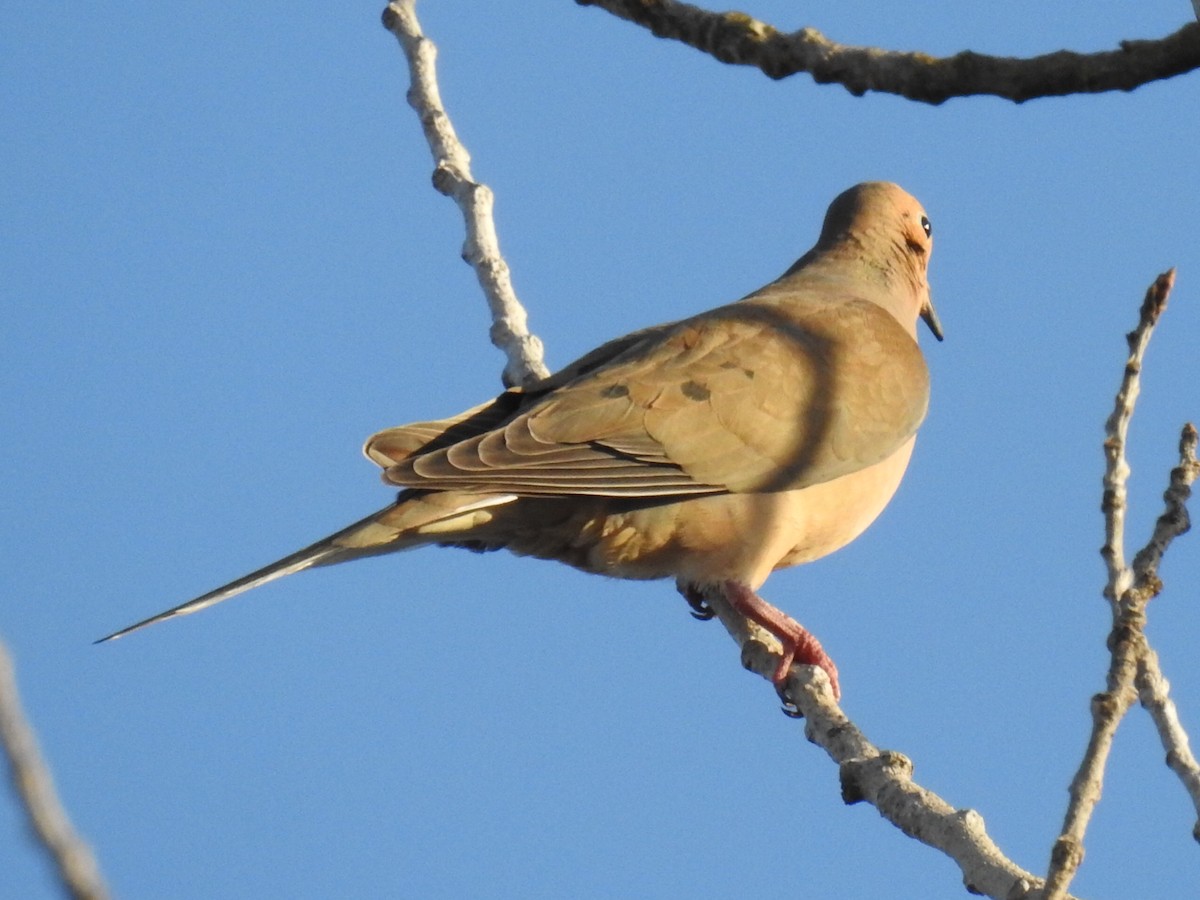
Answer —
(1174, 521)
(72, 858)
(739, 39)
(1128, 590)
(1116, 472)
(1153, 693)
(1152, 687)
(452, 177)
(882, 778)
(1108, 709)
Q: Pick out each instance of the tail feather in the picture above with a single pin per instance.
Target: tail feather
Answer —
(395, 527)
(298, 561)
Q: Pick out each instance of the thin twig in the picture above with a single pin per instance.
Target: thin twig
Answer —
(1153, 688)
(1116, 429)
(1153, 693)
(882, 778)
(1126, 641)
(1108, 709)
(70, 855)
(452, 177)
(739, 39)
(1174, 520)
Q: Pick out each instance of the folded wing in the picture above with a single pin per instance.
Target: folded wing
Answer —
(749, 397)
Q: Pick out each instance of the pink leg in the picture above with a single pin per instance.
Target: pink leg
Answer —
(799, 646)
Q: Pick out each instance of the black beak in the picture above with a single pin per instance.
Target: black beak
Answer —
(931, 319)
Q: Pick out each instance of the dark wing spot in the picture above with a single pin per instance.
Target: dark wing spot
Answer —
(749, 373)
(694, 391)
(615, 390)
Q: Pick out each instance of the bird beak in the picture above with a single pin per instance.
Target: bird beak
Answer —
(931, 319)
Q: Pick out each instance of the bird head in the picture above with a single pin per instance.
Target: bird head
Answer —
(886, 230)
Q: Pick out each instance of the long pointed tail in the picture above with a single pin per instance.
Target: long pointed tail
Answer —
(395, 527)
(324, 552)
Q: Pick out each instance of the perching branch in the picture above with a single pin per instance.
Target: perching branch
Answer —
(1133, 671)
(452, 177)
(739, 39)
(70, 855)
(882, 778)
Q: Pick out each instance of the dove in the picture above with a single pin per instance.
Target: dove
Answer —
(765, 433)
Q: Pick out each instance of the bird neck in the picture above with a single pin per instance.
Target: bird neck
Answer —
(890, 281)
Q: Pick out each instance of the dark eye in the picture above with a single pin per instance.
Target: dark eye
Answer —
(926, 226)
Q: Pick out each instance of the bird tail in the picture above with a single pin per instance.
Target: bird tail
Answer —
(415, 518)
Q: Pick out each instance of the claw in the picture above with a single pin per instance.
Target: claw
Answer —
(701, 609)
(788, 707)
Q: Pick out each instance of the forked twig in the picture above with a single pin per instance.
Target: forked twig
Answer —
(1133, 667)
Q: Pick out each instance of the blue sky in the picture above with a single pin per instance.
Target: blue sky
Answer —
(224, 266)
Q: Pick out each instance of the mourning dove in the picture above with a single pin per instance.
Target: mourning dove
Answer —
(761, 434)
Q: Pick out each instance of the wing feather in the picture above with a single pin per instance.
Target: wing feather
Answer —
(759, 395)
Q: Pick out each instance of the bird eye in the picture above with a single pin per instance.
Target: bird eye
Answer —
(926, 226)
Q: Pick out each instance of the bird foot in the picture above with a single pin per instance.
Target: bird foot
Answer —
(800, 647)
